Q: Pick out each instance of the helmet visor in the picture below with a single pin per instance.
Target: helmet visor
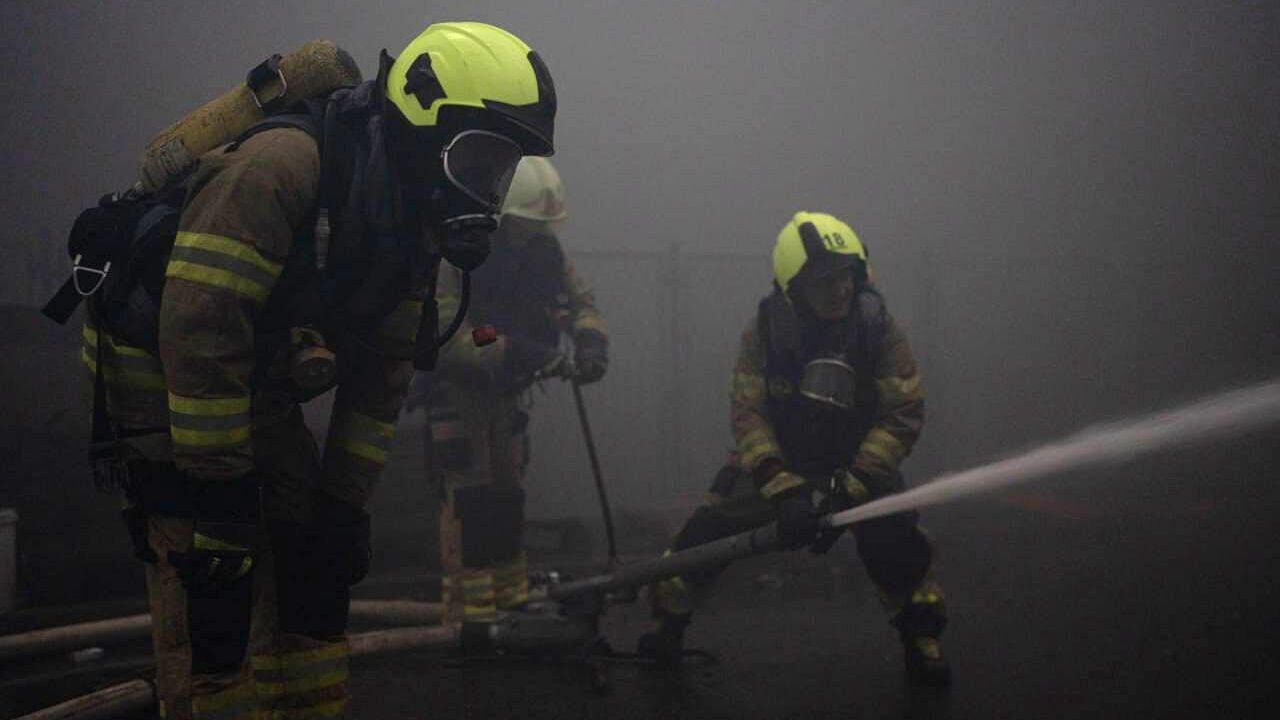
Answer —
(481, 164)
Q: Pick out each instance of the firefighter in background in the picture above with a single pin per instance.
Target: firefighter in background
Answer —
(477, 397)
(825, 403)
(242, 523)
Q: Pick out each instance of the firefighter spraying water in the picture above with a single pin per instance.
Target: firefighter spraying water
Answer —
(566, 622)
(1236, 412)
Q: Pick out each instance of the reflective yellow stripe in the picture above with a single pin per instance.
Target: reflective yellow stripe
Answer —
(854, 488)
(780, 483)
(130, 351)
(756, 445)
(366, 437)
(224, 263)
(301, 657)
(748, 387)
(479, 613)
(235, 699)
(205, 542)
(303, 684)
(208, 406)
(214, 422)
(897, 391)
(589, 322)
(478, 595)
(126, 365)
(223, 245)
(672, 595)
(218, 278)
(511, 582)
(929, 593)
(512, 597)
(882, 445)
(209, 438)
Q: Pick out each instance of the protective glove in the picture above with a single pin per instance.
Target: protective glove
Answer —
(221, 556)
(590, 357)
(525, 360)
(797, 523)
(846, 492)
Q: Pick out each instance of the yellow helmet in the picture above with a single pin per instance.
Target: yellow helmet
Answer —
(813, 244)
(536, 192)
(464, 67)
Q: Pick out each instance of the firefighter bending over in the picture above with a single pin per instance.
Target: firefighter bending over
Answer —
(826, 402)
(252, 538)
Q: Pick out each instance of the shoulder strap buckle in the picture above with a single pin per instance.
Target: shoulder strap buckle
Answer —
(261, 74)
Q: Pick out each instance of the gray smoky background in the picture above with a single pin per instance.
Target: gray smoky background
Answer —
(1072, 207)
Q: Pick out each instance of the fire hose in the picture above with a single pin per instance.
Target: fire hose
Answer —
(1228, 413)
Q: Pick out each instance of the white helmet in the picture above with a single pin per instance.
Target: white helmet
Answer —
(536, 191)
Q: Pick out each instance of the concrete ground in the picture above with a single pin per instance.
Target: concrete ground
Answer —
(1145, 591)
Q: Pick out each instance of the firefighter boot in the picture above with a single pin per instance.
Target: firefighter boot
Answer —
(919, 626)
(665, 644)
(926, 665)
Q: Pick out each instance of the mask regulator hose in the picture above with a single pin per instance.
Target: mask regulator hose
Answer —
(429, 343)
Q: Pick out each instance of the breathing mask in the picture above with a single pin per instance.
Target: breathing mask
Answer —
(478, 166)
(830, 383)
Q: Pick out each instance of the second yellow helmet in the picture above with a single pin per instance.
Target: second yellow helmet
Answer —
(814, 244)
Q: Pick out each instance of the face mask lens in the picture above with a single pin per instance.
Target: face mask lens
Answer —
(481, 165)
(830, 383)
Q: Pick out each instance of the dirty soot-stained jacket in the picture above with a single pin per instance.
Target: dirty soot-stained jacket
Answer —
(764, 388)
(218, 376)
